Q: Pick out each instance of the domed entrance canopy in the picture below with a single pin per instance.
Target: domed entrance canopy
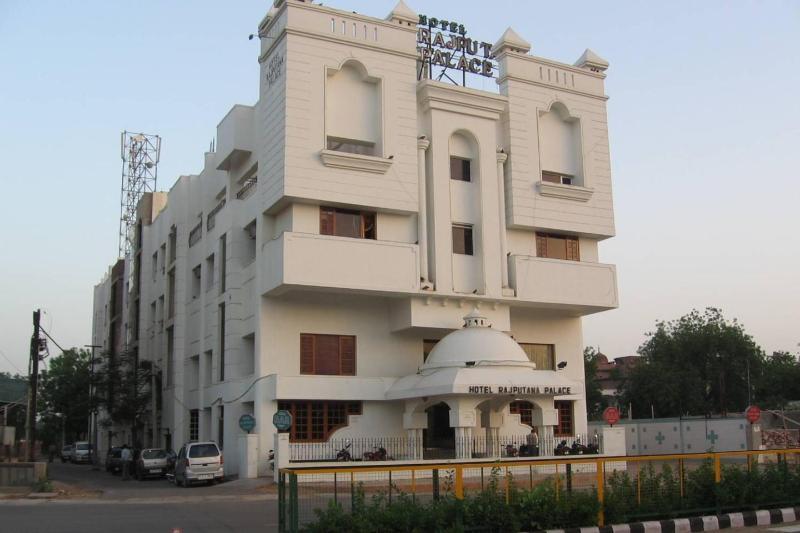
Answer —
(480, 361)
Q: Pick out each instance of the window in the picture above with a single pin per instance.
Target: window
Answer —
(460, 169)
(544, 355)
(555, 177)
(220, 429)
(173, 244)
(170, 370)
(316, 420)
(209, 272)
(557, 246)
(194, 424)
(163, 256)
(564, 428)
(221, 333)
(462, 239)
(427, 348)
(155, 264)
(347, 223)
(223, 252)
(171, 293)
(524, 410)
(196, 282)
(207, 360)
(351, 146)
(327, 355)
(249, 254)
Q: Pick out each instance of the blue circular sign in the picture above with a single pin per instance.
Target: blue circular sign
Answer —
(247, 422)
(282, 420)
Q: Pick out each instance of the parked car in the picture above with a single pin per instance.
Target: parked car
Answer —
(114, 459)
(81, 452)
(152, 462)
(198, 461)
(66, 453)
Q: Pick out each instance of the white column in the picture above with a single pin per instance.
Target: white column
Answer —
(414, 439)
(463, 442)
(501, 201)
(422, 216)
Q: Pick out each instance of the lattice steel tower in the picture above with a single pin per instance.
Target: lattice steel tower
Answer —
(140, 154)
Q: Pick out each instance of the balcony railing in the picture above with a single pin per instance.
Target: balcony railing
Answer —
(196, 234)
(211, 220)
(248, 188)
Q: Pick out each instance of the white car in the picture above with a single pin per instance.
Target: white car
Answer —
(199, 461)
(80, 453)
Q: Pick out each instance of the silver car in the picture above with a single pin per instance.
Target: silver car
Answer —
(81, 452)
(199, 461)
(152, 462)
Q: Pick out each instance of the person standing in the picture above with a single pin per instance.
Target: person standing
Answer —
(125, 457)
(533, 442)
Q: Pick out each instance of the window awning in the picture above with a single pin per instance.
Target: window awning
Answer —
(489, 381)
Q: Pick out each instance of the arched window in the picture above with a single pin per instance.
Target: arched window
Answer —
(353, 110)
(560, 146)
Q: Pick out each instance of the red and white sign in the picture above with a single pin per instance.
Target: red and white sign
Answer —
(611, 415)
(753, 414)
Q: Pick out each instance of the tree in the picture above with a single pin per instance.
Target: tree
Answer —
(697, 364)
(779, 381)
(595, 401)
(13, 388)
(123, 390)
(64, 396)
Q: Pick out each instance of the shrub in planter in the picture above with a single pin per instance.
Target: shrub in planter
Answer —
(543, 508)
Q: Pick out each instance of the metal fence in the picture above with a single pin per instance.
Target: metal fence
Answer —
(406, 449)
(542, 493)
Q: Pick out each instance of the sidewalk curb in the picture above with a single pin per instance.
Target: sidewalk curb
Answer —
(763, 517)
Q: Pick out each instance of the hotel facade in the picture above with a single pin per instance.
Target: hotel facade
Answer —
(379, 252)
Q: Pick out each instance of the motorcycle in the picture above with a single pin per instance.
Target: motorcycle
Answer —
(377, 454)
(344, 454)
(511, 450)
(562, 448)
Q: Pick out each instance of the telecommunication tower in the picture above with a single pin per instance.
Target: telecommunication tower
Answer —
(140, 154)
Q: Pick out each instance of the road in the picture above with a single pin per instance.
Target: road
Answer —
(75, 516)
(103, 502)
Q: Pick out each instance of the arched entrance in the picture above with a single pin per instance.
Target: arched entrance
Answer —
(439, 438)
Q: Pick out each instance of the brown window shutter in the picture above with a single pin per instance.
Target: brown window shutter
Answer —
(347, 350)
(306, 354)
(541, 245)
(573, 250)
(326, 216)
(326, 355)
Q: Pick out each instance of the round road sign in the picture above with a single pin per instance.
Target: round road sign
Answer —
(282, 420)
(611, 415)
(247, 422)
(753, 414)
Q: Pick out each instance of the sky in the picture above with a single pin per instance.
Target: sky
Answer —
(704, 127)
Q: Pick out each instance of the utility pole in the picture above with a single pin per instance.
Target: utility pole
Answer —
(30, 429)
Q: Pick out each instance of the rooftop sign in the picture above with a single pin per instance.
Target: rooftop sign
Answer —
(443, 44)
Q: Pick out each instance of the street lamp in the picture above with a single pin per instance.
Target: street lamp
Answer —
(92, 410)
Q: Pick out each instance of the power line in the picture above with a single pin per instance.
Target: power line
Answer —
(52, 339)
(11, 362)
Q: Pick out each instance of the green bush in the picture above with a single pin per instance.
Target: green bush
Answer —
(43, 485)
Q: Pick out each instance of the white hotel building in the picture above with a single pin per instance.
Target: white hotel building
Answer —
(353, 217)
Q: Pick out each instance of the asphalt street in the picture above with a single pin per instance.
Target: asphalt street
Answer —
(102, 502)
(78, 517)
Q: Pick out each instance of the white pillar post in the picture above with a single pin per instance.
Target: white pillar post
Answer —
(501, 201)
(422, 216)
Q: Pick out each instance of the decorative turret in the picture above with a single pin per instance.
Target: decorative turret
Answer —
(403, 14)
(591, 61)
(510, 41)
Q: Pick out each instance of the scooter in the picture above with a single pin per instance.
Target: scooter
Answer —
(511, 450)
(344, 454)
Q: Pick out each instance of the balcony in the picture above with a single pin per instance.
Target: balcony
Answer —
(306, 260)
(235, 136)
(580, 287)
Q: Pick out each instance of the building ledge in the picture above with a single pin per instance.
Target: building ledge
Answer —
(366, 163)
(565, 192)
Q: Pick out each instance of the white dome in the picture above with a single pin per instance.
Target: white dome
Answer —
(478, 344)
